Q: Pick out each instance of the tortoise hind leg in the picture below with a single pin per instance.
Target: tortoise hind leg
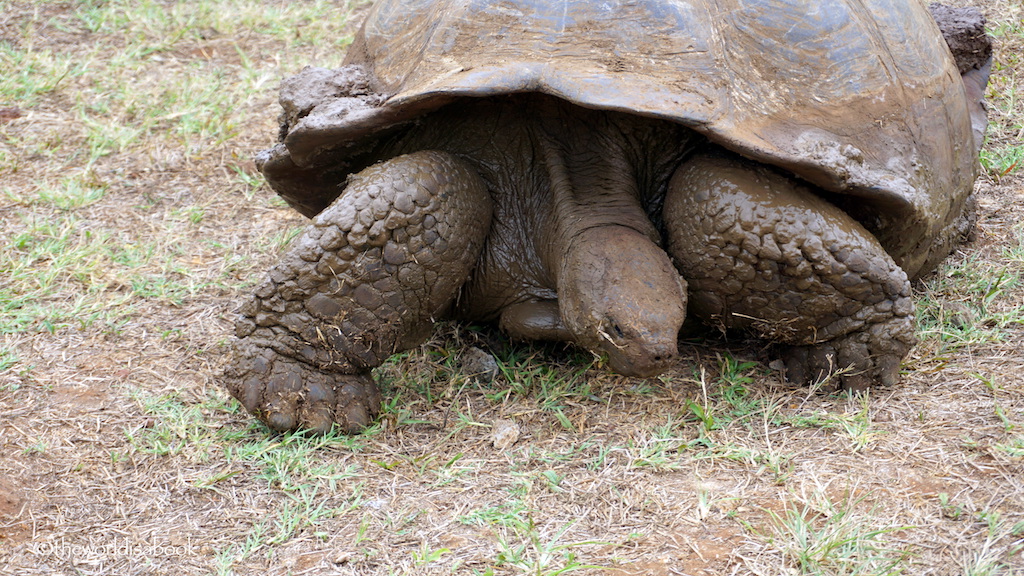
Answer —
(764, 254)
(366, 279)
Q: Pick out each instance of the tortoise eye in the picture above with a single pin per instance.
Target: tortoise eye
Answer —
(617, 330)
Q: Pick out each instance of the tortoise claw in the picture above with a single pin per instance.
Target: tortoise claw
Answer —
(856, 361)
(289, 395)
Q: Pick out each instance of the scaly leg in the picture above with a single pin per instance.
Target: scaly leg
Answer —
(366, 279)
(764, 254)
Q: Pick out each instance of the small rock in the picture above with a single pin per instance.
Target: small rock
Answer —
(959, 315)
(8, 114)
(479, 364)
(504, 433)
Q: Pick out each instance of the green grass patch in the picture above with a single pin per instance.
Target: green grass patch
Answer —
(177, 427)
(970, 301)
(153, 76)
(72, 193)
(817, 536)
(1012, 446)
(300, 511)
(433, 374)
(1000, 161)
(731, 406)
(522, 544)
(1004, 150)
(195, 430)
(8, 358)
(552, 386)
(56, 277)
(64, 272)
(157, 26)
(159, 71)
(857, 425)
(31, 72)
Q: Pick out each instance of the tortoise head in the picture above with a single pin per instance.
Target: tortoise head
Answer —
(619, 294)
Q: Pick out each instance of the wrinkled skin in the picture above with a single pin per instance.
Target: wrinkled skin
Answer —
(562, 223)
(765, 254)
(525, 210)
(529, 211)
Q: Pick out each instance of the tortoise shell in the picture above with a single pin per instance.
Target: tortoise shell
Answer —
(858, 97)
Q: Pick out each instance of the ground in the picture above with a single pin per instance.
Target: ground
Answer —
(134, 222)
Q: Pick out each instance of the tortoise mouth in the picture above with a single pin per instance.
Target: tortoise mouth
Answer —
(641, 361)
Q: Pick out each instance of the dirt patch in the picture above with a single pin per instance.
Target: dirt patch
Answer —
(964, 31)
(134, 223)
(650, 568)
(13, 503)
(82, 397)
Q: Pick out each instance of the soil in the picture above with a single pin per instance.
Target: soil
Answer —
(964, 31)
(12, 508)
(120, 452)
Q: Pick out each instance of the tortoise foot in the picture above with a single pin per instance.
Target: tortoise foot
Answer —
(288, 394)
(855, 361)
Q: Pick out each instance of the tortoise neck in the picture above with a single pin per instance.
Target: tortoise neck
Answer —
(592, 184)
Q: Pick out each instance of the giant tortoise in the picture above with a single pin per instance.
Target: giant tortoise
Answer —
(595, 171)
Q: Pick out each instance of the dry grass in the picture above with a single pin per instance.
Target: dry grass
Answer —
(133, 221)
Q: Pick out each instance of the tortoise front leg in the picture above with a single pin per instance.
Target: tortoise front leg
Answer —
(365, 280)
(764, 254)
